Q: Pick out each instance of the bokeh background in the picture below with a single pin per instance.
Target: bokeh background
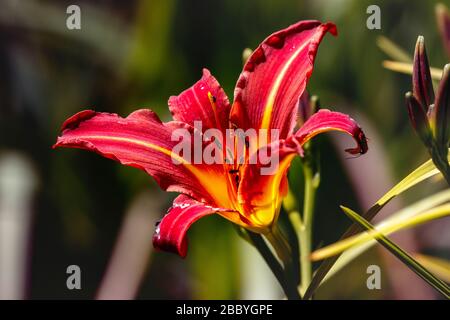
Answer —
(69, 207)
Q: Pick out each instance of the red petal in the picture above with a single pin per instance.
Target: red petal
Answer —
(205, 101)
(141, 140)
(326, 120)
(260, 194)
(170, 234)
(421, 77)
(275, 76)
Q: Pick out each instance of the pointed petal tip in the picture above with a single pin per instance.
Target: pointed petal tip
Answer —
(409, 95)
(331, 28)
(420, 46)
(418, 118)
(325, 120)
(56, 144)
(275, 76)
(76, 119)
(171, 231)
(361, 144)
(206, 73)
(194, 104)
(420, 40)
(446, 69)
(421, 76)
(72, 123)
(161, 245)
(361, 147)
(310, 24)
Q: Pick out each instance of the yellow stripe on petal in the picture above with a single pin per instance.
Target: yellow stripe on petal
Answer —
(265, 123)
(144, 144)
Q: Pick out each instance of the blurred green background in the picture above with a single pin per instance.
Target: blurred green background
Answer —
(78, 208)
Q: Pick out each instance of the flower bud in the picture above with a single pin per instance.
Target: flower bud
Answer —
(421, 77)
(307, 106)
(418, 118)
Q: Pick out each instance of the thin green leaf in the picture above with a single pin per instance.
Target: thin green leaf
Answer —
(410, 211)
(407, 68)
(384, 229)
(423, 172)
(402, 255)
(393, 50)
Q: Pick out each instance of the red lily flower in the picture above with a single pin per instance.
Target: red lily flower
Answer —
(266, 97)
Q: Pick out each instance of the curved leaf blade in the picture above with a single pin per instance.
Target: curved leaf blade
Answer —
(402, 255)
(425, 204)
(384, 229)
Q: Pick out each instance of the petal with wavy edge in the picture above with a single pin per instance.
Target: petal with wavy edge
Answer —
(275, 76)
(141, 140)
(205, 101)
(325, 120)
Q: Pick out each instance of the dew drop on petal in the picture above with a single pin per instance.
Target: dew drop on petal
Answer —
(242, 82)
(157, 228)
(275, 41)
(256, 58)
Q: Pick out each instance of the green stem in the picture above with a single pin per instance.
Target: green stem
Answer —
(445, 170)
(305, 236)
(289, 289)
(441, 162)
